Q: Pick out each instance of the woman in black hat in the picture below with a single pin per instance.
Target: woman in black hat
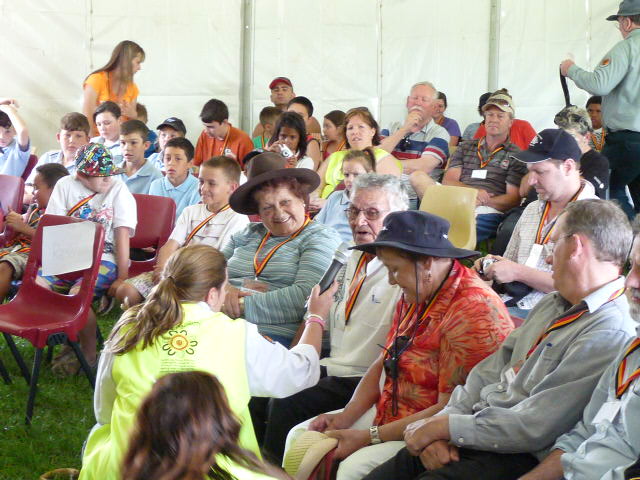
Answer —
(447, 320)
(274, 264)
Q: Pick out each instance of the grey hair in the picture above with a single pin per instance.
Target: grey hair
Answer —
(426, 84)
(635, 224)
(574, 118)
(392, 185)
(605, 224)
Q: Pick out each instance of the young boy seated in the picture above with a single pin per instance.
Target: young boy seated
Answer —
(107, 120)
(13, 257)
(172, 127)
(178, 183)
(93, 193)
(15, 146)
(143, 116)
(304, 107)
(219, 137)
(139, 173)
(73, 134)
(211, 222)
(268, 119)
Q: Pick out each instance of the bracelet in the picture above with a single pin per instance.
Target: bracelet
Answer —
(374, 435)
(315, 318)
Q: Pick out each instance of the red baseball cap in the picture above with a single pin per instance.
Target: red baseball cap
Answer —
(278, 80)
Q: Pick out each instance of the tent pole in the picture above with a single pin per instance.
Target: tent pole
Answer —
(494, 45)
(246, 60)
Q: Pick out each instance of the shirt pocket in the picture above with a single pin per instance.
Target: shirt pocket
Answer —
(545, 364)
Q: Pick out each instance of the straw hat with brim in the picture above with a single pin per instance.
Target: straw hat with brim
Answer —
(417, 232)
(262, 168)
(306, 453)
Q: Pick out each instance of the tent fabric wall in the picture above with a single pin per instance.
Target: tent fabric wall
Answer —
(340, 54)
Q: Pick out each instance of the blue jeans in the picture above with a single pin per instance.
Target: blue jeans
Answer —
(487, 224)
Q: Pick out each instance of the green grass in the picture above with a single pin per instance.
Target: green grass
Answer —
(63, 416)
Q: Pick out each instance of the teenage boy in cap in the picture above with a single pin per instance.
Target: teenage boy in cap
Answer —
(486, 164)
(172, 127)
(616, 78)
(93, 193)
(281, 94)
(553, 161)
(219, 137)
(517, 401)
(606, 440)
(14, 139)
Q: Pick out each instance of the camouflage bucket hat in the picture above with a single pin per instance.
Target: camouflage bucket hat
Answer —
(95, 160)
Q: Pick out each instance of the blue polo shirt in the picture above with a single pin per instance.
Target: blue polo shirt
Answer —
(13, 160)
(141, 181)
(334, 214)
(184, 194)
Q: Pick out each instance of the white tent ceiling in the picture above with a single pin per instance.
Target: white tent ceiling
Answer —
(339, 53)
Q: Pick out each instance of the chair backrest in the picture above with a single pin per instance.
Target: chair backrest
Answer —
(11, 194)
(457, 205)
(156, 218)
(31, 163)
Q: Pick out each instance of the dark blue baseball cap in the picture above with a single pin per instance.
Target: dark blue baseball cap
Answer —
(552, 143)
(417, 232)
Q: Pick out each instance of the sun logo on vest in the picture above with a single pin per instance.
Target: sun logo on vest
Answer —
(179, 342)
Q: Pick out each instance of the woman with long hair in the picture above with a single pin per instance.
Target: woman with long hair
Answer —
(180, 328)
(114, 82)
(185, 430)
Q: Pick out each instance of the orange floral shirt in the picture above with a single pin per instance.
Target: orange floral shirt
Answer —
(467, 322)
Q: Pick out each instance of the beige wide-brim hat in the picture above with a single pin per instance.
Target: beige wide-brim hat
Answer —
(306, 453)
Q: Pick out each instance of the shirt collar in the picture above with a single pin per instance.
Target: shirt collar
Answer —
(601, 296)
(183, 186)
(344, 198)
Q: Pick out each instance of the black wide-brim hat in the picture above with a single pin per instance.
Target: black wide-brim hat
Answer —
(262, 168)
(417, 232)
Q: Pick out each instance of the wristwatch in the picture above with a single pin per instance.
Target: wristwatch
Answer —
(375, 436)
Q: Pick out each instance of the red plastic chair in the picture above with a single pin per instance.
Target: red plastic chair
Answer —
(31, 163)
(156, 218)
(46, 318)
(11, 193)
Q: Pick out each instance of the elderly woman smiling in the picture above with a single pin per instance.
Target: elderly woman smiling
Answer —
(274, 264)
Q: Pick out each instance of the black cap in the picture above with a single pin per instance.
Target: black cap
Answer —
(417, 232)
(175, 123)
(552, 143)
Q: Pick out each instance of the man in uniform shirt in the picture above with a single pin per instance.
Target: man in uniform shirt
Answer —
(519, 400)
(616, 78)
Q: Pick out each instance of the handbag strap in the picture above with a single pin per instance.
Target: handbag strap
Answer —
(565, 90)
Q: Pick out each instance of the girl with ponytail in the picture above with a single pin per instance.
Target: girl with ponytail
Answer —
(180, 328)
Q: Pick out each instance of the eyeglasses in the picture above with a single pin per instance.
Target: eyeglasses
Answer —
(404, 144)
(369, 213)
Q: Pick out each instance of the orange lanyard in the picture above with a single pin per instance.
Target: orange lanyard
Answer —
(226, 140)
(440, 121)
(341, 146)
(258, 267)
(621, 385)
(540, 239)
(80, 204)
(491, 155)
(362, 263)
(204, 222)
(594, 138)
(569, 319)
(262, 142)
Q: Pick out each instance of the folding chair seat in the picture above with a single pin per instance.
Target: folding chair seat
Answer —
(44, 317)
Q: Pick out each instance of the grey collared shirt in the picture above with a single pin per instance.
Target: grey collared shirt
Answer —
(616, 78)
(526, 412)
(605, 448)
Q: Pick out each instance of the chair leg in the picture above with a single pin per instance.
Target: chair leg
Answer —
(83, 363)
(33, 387)
(4, 373)
(49, 358)
(18, 358)
(99, 338)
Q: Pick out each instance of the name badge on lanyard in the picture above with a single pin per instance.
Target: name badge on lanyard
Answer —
(481, 174)
(607, 412)
(534, 255)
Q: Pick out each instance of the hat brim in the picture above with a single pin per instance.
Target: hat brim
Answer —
(175, 127)
(526, 156)
(114, 172)
(450, 252)
(241, 202)
(306, 453)
(503, 108)
(612, 18)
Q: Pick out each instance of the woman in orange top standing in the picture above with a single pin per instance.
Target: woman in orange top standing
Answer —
(114, 82)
